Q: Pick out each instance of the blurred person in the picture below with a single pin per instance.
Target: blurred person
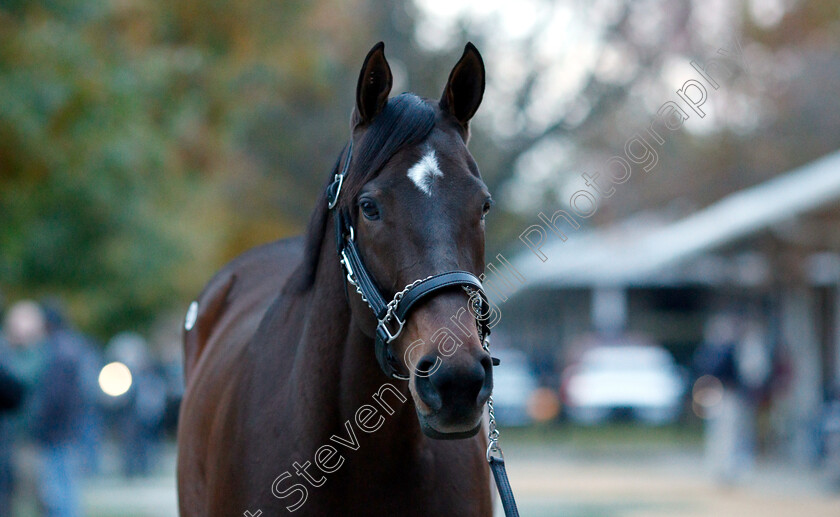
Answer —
(739, 359)
(24, 332)
(85, 353)
(56, 423)
(753, 368)
(140, 410)
(53, 410)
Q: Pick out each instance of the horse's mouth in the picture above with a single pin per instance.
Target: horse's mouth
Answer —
(455, 434)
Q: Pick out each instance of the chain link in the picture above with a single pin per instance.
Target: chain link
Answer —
(476, 307)
(392, 305)
(493, 430)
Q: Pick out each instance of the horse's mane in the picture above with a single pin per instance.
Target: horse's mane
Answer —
(406, 120)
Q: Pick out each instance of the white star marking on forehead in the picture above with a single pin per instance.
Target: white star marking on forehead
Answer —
(423, 172)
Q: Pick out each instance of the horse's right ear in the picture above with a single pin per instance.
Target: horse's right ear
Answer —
(375, 82)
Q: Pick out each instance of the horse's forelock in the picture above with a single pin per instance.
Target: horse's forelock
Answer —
(406, 120)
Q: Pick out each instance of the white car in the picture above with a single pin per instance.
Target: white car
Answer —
(642, 380)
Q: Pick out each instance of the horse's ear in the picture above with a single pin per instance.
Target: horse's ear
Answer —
(375, 82)
(465, 87)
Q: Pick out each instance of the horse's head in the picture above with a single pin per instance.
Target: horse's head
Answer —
(418, 209)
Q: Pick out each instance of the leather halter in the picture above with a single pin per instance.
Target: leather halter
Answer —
(391, 316)
(397, 310)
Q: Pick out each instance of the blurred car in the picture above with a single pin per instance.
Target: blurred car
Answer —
(642, 381)
(514, 384)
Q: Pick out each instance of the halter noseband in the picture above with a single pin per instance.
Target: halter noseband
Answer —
(391, 316)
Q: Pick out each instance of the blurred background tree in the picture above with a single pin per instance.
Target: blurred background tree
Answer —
(572, 81)
(144, 143)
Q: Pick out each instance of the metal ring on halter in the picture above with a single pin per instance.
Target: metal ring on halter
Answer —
(334, 189)
(383, 324)
(338, 181)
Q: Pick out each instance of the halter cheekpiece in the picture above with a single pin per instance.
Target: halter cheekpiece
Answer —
(391, 315)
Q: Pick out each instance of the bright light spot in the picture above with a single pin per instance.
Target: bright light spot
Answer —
(115, 379)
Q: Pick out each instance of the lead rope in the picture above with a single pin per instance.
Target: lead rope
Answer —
(496, 459)
(495, 456)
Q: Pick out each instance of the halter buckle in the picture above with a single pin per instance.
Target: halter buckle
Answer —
(334, 190)
(385, 333)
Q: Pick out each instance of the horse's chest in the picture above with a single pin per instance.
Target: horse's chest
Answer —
(426, 486)
(430, 486)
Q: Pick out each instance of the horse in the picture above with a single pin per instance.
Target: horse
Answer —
(286, 408)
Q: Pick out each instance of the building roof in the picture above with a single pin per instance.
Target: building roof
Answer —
(644, 250)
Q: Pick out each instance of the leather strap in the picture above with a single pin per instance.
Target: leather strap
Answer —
(497, 465)
(432, 284)
(388, 363)
(350, 253)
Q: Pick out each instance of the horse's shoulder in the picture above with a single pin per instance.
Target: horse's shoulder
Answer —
(238, 295)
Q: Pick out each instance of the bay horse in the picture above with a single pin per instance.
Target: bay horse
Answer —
(286, 408)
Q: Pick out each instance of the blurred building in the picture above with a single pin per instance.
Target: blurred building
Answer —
(771, 253)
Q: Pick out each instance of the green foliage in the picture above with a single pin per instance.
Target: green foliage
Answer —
(145, 143)
(125, 176)
(93, 164)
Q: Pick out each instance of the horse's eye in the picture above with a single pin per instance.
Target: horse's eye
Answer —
(369, 209)
(486, 207)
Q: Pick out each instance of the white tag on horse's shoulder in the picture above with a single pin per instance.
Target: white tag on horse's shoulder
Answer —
(192, 315)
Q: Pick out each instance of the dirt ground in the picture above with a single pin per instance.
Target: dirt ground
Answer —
(599, 475)
(658, 484)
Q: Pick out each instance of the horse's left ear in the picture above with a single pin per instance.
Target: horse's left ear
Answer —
(465, 87)
(374, 85)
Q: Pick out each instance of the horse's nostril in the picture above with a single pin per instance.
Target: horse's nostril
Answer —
(426, 366)
(423, 385)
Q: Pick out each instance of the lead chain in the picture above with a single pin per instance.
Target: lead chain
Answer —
(476, 307)
(493, 431)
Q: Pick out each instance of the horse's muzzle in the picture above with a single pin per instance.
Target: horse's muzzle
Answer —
(454, 395)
